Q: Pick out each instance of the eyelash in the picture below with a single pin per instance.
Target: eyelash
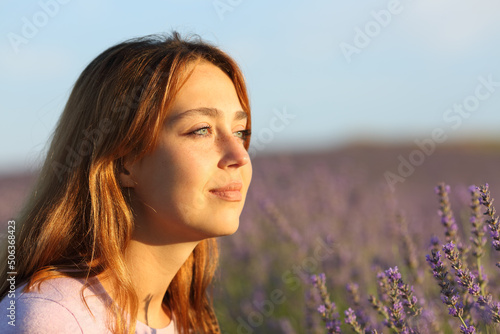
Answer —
(196, 132)
(245, 134)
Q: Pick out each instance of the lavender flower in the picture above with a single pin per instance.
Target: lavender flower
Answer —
(397, 291)
(379, 306)
(396, 311)
(353, 290)
(478, 229)
(434, 240)
(478, 232)
(383, 286)
(439, 272)
(327, 309)
(393, 275)
(350, 319)
(467, 329)
(361, 317)
(491, 310)
(464, 277)
(448, 294)
(495, 312)
(404, 291)
(492, 220)
(446, 214)
(409, 300)
(455, 306)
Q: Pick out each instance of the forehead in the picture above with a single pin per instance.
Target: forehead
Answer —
(200, 74)
(206, 86)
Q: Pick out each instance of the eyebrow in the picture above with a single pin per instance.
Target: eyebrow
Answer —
(205, 111)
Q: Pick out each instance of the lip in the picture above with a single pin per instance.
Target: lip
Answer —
(230, 192)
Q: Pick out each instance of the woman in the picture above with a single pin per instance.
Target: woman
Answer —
(147, 165)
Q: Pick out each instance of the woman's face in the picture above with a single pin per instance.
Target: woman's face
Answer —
(193, 185)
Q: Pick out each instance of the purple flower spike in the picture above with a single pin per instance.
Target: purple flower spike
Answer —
(492, 218)
(351, 319)
(393, 274)
(468, 329)
(474, 290)
(449, 247)
(447, 218)
(350, 316)
(434, 240)
(473, 188)
(327, 309)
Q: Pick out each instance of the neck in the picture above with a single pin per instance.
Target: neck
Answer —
(152, 268)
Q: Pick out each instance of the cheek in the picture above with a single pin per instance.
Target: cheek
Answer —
(170, 191)
(188, 175)
(247, 174)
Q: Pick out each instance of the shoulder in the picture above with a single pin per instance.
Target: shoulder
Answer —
(56, 305)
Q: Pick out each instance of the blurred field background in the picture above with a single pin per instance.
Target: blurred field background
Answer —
(298, 203)
(329, 211)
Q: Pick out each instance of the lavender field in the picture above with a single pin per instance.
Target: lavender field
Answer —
(333, 212)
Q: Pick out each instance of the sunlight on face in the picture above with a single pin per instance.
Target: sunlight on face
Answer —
(193, 185)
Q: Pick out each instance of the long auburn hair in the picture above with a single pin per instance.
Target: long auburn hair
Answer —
(78, 220)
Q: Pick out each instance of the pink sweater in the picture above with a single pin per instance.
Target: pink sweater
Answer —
(58, 308)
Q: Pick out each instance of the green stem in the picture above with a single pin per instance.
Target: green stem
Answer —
(480, 272)
(462, 320)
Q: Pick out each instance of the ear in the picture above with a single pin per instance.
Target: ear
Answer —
(125, 173)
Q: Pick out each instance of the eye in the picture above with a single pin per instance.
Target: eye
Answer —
(243, 134)
(204, 131)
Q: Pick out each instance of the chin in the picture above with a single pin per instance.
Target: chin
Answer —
(220, 229)
(231, 230)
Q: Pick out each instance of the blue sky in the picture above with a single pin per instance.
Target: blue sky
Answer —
(407, 64)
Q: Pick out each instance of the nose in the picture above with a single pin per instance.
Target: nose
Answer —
(233, 152)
